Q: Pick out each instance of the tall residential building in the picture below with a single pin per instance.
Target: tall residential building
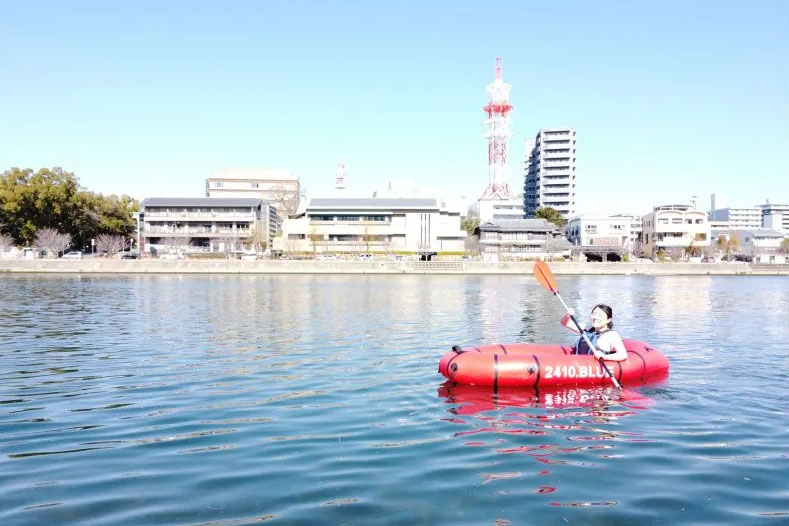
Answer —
(550, 172)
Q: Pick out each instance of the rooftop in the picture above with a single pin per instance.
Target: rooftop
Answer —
(518, 225)
(372, 202)
(201, 201)
(254, 173)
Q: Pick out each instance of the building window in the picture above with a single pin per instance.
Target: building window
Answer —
(218, 184)
(254, 185)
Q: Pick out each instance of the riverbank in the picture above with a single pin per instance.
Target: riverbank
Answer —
(160, 266)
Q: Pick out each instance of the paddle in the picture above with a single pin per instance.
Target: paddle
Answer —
(545, 278)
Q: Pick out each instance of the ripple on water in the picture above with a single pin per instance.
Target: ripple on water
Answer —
(225, 400)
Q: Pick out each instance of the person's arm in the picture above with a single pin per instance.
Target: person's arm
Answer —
(567, 322)
(612, 343)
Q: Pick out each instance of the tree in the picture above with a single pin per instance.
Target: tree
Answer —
(470, 225)
(472, 245)
(52, 241)
(315, 239)
(784, 247)
(177, 243)
(111, 244)
(6, 242)
(284, 199)
(734, 244)
(53, 198)
(550, 214)
(256, 239)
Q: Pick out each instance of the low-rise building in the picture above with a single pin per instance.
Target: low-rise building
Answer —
(373, 224)
(675, 230)
(205, 224)
(513, 239)
(755, 243)
(496, 209)
(598, 234)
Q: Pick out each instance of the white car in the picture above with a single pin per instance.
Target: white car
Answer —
(74, 254)
(365, 257)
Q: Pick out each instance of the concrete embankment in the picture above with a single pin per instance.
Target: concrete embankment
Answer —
(159, 266)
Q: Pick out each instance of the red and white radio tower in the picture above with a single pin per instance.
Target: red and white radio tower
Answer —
(498, 133)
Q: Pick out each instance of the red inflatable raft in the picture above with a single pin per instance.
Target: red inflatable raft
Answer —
(533, 365)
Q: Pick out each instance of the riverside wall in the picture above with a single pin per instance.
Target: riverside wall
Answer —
(160, 266)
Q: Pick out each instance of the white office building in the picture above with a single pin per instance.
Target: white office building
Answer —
(775, 217)
(674, 229)
(205, 224)
(550, 172)
(748, 217)
(373, 225)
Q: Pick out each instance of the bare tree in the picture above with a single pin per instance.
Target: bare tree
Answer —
(316, 238)
(6, 242)
(228, 244)
(256, 238)
(52, 241)
(111, 244)
(284, 199)
(472, 245)
(177, 243)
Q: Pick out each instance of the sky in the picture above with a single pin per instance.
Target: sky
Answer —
(669, 99)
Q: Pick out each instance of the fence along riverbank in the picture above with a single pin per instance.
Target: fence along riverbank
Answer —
(158, 266)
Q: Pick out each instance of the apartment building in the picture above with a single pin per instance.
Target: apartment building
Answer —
(550, 172)
(674, 229)
(743, 217)
(373, 224)
(205, 224)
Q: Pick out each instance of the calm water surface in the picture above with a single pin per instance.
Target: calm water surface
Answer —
(226, 400)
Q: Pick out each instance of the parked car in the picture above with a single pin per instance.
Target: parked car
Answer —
(366, 257)
(708, 259)
(73, 254)
(130, 255)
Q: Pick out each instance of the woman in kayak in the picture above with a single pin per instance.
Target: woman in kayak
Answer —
(606, 340)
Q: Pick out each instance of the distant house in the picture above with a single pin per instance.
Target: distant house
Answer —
(514, 239)
(205, 224)
(674, 229)
(761, 245)
(603, 235)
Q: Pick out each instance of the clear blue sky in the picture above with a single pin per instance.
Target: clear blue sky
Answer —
(148, 98)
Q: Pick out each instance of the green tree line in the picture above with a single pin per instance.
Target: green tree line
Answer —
(53, 198)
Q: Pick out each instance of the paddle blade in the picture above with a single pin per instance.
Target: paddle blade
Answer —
(545, 276)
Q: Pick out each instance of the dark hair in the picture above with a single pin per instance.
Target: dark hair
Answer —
(608, 312)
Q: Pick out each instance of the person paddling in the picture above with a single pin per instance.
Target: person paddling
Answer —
(600, 333)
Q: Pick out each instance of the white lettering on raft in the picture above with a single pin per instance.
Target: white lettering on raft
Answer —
(573, 371)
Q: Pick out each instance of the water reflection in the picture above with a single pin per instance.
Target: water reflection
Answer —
(557, 428)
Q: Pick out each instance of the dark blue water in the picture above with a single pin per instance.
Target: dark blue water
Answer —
(227, 400)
